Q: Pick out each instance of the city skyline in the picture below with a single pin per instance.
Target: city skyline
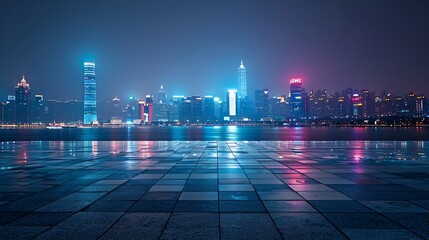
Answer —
(330, 44)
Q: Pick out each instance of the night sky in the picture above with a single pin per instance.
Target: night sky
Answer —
(195, 47)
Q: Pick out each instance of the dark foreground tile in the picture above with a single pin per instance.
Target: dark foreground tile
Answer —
(376, 234)
(153, 206)
(288, 206)
(415, 222)
(109, 206)
(305, 226)
(41, 219)
(196, 206)
(238, 196)
(247, 226)
(361, 220)
(241, 206)
(144, 226)
(82, 225)
(190, 233)
(20, 232)
(193, 220)
(339, 206)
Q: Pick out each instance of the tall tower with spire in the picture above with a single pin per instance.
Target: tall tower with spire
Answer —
(22, 102)
(242, 83)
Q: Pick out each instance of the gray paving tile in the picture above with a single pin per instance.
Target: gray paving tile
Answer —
(418, 223)
(279, 195)
(197, 206)
(41, 219)
(375, 234)
(20, 232)
(339, 206)
(361, 220)
(193, 220)
(288, 206)
(82, 224)
(153, 206)
(394, 206)
(305, 226)
(241, 206)
(247, 226)
(329, 195)
(199, 196)
(145, 226)
(190, 233)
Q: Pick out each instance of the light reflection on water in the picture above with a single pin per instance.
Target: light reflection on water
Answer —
(216, 133)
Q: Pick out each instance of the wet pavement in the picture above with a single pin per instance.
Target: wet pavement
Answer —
(214, 190)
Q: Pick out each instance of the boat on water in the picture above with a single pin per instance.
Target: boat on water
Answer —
(70, 126)
(53, 127)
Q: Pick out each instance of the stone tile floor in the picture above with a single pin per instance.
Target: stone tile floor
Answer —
(214, 190)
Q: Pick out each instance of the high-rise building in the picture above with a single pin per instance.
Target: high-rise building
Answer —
(90, 98)
(242, 81)
(209, 109)
(231, 102)
(296, 101)
(9, 110)
(37, 109)
(175, 109)
(161, 96)
(192, 109)
(116, 117)
(261, 104)
(147, 113)
(22, 102)
(421, 106)
(132, 110)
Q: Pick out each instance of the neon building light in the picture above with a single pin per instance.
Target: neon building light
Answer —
(232, 102)
(242, 81)
(90, 98)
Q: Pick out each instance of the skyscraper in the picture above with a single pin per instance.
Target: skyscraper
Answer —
(209, 109)
(162, 95)
(37, 109)
(90, 98)
(231, 101)
(22, 102)
(296, 101)
(242, 83)
(261, 104)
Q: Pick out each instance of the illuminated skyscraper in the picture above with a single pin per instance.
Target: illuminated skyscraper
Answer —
(162, 95)
(242, 83)
(261, 104)
(296, 101)
(231, 101)
(209, 109)
(90, 99)
(22, 102)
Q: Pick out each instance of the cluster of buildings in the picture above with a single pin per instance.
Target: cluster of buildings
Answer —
(236, 105)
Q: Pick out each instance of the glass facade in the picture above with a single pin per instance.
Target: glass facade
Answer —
(22, 102)
(231, 97)
(242, 82)
(90, 98)
(296, 100)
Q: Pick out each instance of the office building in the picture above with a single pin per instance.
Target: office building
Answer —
(296, 101)
(242, 81)
(22, 102)
(90, 97)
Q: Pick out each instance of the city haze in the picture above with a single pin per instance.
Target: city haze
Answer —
(195, 47)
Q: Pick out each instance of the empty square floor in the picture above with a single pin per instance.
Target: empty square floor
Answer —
(214, 190)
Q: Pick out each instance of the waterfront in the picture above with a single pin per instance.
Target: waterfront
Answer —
(214, 190)
(218, 133)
